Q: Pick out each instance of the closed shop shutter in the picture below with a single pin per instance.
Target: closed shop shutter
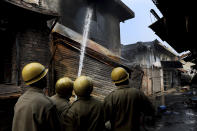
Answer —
(66, 61)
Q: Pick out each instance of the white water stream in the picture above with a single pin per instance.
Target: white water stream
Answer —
(85, 38)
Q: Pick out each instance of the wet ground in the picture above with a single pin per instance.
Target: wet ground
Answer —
(178, 117)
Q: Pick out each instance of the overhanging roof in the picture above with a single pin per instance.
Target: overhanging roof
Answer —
(142, 46)
(168, 50)
(179, 6)
(118, 8)
(178, 26)
(46, 13)
(125, 12)
(71, 38)
(173, 31)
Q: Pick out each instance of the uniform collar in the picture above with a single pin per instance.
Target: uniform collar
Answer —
(84, 98)
(36, 89)
(123, 86)
(60, 96)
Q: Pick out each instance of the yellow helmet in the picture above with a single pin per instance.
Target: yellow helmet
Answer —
(83, 86)
(64, 86)
(119, 75)
(33, 72)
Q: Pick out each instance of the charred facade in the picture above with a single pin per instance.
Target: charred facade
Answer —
(158, 63)
(26, 37)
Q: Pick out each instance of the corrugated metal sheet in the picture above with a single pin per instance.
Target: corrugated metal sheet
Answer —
(66, 61)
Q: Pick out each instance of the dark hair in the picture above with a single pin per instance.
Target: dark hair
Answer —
(123, 83)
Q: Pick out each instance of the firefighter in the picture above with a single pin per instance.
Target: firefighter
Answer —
(124, 106)
(63, 88)
(86, 113)
(34, 111)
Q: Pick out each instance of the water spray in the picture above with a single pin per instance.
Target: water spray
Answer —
(85, 38)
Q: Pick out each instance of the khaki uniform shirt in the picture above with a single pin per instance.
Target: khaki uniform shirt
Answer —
(61, 103)
(85, 114)
(123, 108)
(35, 112)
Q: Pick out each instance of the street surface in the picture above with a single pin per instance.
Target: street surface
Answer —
(178, 117)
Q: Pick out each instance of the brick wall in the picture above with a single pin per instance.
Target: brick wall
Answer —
(33, 46)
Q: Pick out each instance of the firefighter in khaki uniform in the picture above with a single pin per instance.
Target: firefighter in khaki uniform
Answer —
(86, 113)
(34, 111)
(124, 106)
(63, 88)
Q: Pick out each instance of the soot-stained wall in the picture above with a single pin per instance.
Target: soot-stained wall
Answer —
(105, 26)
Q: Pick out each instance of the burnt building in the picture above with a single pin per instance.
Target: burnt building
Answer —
(160, 65)
(29, 32)
(98, 62)
(24, 37)
(177, 26)
(105, 26)
(103, 47)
